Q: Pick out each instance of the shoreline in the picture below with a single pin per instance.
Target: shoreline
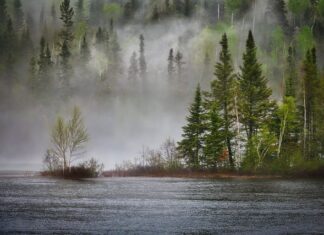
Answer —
(208, 175)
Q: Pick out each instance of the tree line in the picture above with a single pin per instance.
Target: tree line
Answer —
(237, 124)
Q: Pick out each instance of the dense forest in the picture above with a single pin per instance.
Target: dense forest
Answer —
(251, 68)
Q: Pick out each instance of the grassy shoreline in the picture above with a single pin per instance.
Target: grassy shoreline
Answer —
(211, 175)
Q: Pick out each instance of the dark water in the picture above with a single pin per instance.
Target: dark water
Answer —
(36, 205)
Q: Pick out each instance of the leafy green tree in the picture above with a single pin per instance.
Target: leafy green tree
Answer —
(222, 91)
(191, 146)
(297, 8)
(68, 139)
(304, 40)
(254, 100)
(289, 126)
(261, 147)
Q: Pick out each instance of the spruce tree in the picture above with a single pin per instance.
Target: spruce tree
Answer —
(310, 84)
(18, 15)
(179, 63)
(222, 91)
(188, 8)
(3, 16)
(155, 14)
(279, 8)
(84, 50)
(291, 79)
(214, 143)
(191, 146)
(254, 100)
(133, 68)
(142, 60)
(171, 68)
(65, 65)
(67, 13)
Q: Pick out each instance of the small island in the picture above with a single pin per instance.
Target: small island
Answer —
(68, 140)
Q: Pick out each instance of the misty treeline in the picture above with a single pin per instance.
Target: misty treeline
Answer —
(237, 125)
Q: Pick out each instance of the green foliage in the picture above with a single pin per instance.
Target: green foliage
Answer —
(190, 147)
(214, 141)
(297, 7)
(305, 40)
(222, 92)
(112, 10)
(254, 100)
(261, 147)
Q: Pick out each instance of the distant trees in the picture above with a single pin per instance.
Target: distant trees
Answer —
(171, 64)
(142, 60)
(67, 14)
(133, 67)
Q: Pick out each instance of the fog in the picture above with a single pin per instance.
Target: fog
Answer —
(132, 114)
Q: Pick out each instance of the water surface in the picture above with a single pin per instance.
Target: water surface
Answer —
(35, 205)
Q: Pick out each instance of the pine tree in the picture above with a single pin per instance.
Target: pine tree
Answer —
(280, 10)
(179, 63)
(53, 13)
(171, 68)
(67, 13)
(291, 79)
(84, 50)
(18, 15)
(214, 144)
(187, 8)
(65, 65)
(142, 60)
(79, 11)
(133, 68)
(310, 84)
(190, 147)
(254, 100)
(114, 56)
(3, 16)
(222, 91)
(44, 66)
(155, 14)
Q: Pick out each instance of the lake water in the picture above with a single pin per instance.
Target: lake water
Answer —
(35, 205)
